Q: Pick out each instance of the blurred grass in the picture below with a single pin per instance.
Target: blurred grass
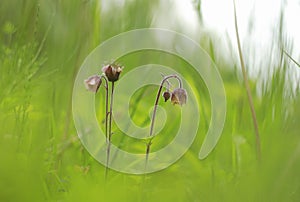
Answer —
(42, 45)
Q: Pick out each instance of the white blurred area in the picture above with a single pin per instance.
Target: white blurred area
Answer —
(258, 21)
(177, 15)
(264, 14)
(259, 30)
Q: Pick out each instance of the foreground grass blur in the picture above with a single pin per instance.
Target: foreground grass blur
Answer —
(42, 45)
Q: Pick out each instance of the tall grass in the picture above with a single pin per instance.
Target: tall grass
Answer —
(249, 96)
(43, 43)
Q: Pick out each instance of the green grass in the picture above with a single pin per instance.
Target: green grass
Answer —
(43, 44)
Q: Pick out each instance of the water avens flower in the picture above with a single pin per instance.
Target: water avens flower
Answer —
(179, 96)
(93, 83)
(112, 72)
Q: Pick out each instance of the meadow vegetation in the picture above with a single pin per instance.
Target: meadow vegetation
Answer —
(42, 46)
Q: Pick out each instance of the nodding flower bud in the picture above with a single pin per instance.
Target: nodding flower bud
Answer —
(166, 95)
(93, 83)
(112, 72)
(179, 96)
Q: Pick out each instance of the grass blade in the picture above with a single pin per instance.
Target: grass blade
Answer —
(292, 58)
(249, 96)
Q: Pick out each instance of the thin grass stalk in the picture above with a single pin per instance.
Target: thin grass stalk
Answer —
(246, 82)
(291, 58)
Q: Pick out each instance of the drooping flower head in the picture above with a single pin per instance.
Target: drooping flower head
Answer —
(112, 72)
(179, 96)
(93, 83)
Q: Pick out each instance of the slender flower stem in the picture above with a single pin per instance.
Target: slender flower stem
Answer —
(154, 112)
(157, 99)
(109, 127)
(111, 109)
(106, 106)
(168, 83)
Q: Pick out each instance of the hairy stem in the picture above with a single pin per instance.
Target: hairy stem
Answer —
(106, 106)
(249, 96)
(154, 112)
(157, 99)
(109, 128)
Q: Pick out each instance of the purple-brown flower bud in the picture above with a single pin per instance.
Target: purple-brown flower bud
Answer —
(179, 96)
(166, 95)
(112, 72)
(93, 83)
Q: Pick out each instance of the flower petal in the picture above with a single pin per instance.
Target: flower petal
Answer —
(93, 83)
(179, 96)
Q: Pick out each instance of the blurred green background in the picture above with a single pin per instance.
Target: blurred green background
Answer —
(42, 45)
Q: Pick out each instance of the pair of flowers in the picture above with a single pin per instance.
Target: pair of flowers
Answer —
(112, 73)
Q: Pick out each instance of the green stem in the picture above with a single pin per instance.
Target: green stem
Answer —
(106, 106)
(109, 128)
(154, 112)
